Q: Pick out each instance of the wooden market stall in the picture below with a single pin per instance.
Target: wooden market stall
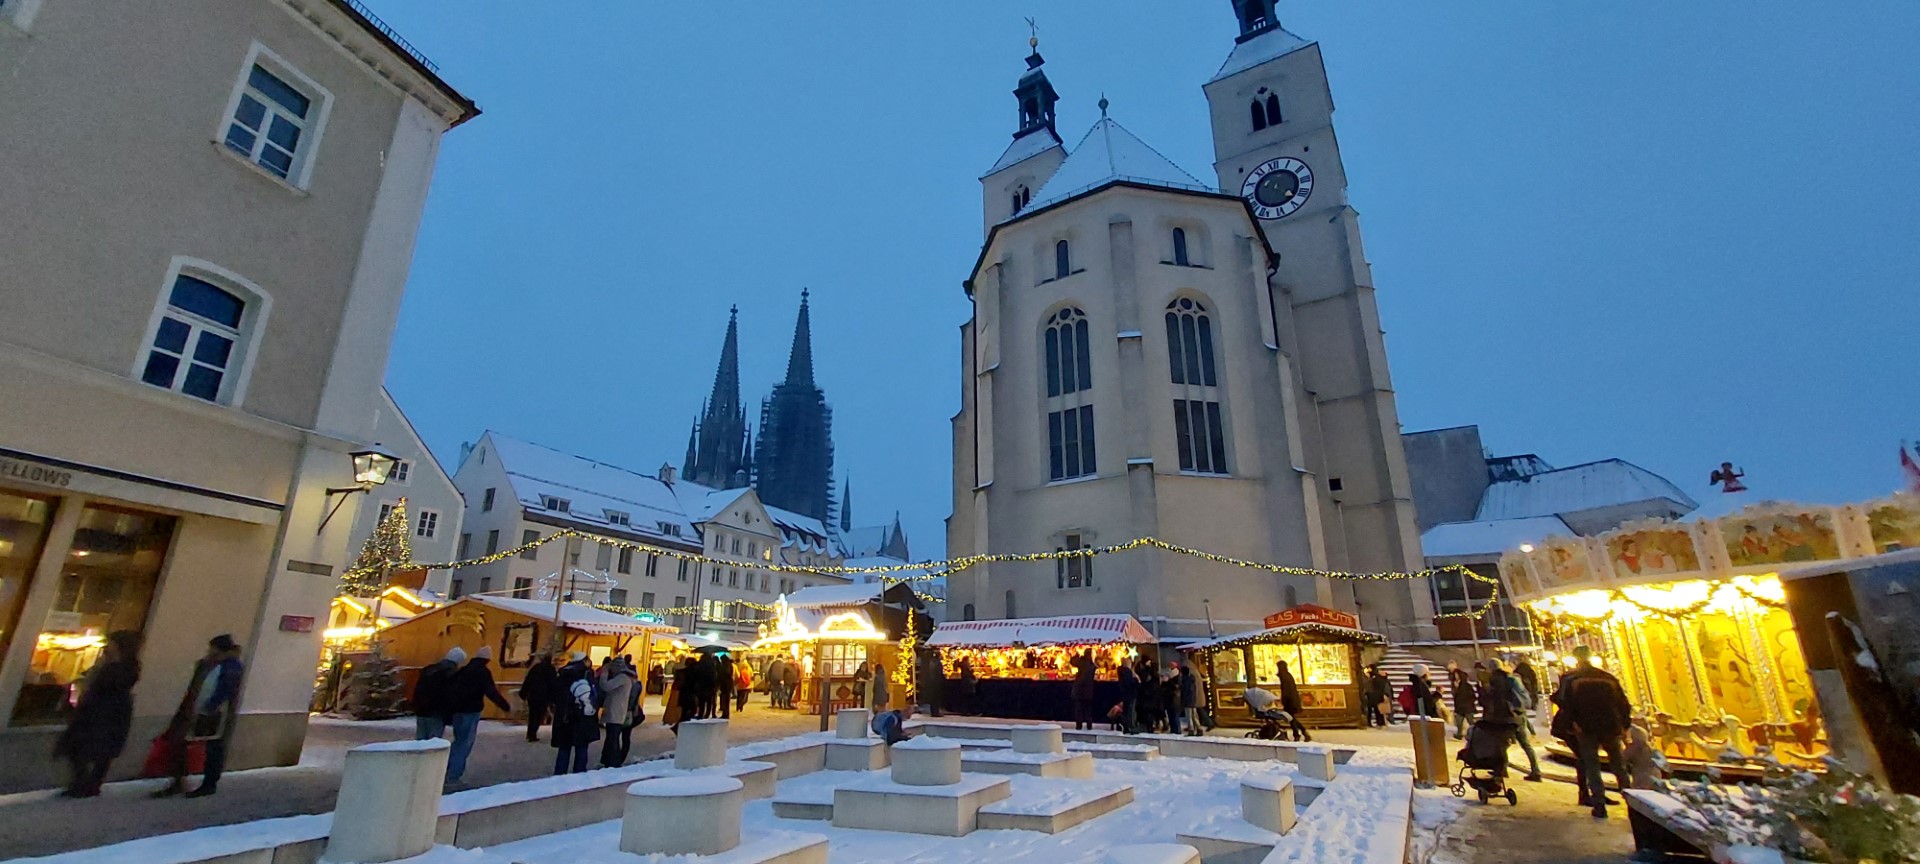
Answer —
(1021, 667)
(1321, 648)
(518, 630)
(830, 630)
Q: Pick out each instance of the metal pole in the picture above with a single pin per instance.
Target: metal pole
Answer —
(559, 590)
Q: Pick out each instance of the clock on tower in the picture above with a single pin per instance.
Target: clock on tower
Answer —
(1277, 187)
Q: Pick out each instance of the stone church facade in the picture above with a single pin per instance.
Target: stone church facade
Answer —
(1152, 354)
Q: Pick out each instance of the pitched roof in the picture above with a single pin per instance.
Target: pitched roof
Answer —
(1025, 147)
(857, 594)
(701, 502)
(1489, 537)
(1276, 42)
(573, 616)
(1110, 153)
(591, 488)
(1577, 489)
(1065, 630)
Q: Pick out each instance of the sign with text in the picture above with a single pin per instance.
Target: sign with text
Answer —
(296, 623)
(1310, 614)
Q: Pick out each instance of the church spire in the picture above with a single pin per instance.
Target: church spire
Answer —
(1255, 16)
(1035, 93)
(846, 505)
(715, 445)
(800, 358)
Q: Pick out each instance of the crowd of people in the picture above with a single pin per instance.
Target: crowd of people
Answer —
(102, 720)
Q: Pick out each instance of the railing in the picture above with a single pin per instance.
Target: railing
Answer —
(387, 30)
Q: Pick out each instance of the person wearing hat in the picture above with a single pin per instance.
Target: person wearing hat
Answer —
(205, 714)
(467, 694)
(431, 711)
(575, 721)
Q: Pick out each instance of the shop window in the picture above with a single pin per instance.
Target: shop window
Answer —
(1321, 664)
(24, 520)
(106, 584)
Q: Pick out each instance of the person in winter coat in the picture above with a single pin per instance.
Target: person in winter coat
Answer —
(1147, 715)
(1170, 699)
(574, 725)
(430, 711)
(1129, 700)
(1426, 702)
(616, 713)
(789, 684)
(1377, 693)
(1506, 706)
(1082, 690)
(772, 673)
(1290, 701)
(1594, 713)
(880, 694)
(468, 691)
(205, 714)
(1188, 685)
(537, 691)
(863, 684)
(674, 708)
(933, 683)
(97, 732)
(967, 687)
(723, 686)
(742, 685)
(1529, 679)
(1466, 702)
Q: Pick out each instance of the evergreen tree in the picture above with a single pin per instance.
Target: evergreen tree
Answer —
(378, 692)
(386, 550)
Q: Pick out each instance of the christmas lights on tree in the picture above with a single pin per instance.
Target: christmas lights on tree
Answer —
(386, 550)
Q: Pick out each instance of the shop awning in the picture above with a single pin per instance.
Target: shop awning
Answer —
(574, 616)
(1290, 633)
(1066, 630)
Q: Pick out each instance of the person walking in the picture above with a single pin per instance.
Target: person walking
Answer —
(880, 688)
(205, 714)
(537, 691)
(467, 694)
(967, 688)
(1376, 694)
(673, 708)
(97, 732)
(1290, 701)
(1529, 679)
(1466, 702)
(933, 683)
(1426, 701)
(1505, 705)
(1189, 690)
(1129, 699)
(574, 726)
(863, 685)
(1081, 691)
(773, 672)
(742, 684)
(1594, 714)
(616, 713)
(723, 685)
(1147, 715)
(789, 685)
(430, 711)
(1170, 699)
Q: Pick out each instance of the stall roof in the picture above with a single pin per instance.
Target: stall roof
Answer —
(574, 616)
(1065, 630)
(1290, 633)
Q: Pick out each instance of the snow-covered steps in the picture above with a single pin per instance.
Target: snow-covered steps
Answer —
(1213, 747)
(758, 777)
(944, 729)
(1131, 752)
(1077, 766)
(793, 756)
(879, 804)
(859, 754)
(1051, 806)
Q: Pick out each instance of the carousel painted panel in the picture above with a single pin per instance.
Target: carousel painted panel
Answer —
(1892, 524)
(1637, 551)
(1772, 534)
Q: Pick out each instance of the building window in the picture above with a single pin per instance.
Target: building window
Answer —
(523, 587)
(618, 517)
(765, 581)
(486, 501)
(1180, 248)
(1013, 611)
(646, 599)
(966, 612)
(274, 123)
(1022, 196)
(1067, 345)
(715, 579)
(713, 610)
(386, 509)
(736, 546)
(428, 523)
(1070, 443)
(1069, 353)
(401, 471)
(653, 565)
(1199, 430)
(466, 544)
(682, 574)
(753, 549)
(493, 541)
(603, 559)
(486, 584)
(616, 596)
(27, 520)
(459, 588)
(1259, 116)
(557, 505)
(199, 344)
(626, 560)
(1273, 109)
(1073, 572)
(733, 578)
(530, 536)
(668, 528)
(1062, 260)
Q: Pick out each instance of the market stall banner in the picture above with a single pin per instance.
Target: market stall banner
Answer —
(1311, 614)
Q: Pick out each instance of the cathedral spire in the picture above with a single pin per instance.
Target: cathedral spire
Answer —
(715, 445)
(846, 505)
(800, 359)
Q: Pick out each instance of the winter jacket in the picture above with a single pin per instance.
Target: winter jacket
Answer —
(538, 687)
(776, 670)
(1289, 692)
(573, 713)
(879, 692)
(1129, 684)
(1506, 705)
(1465, 701)
(1379, 689)
(430, 689)
(1426, 703)
(617, 692)
(206, 706)
(1591, 705)
(1082, 690)
(1529, 679)
(100, 721)
(472, 687)
(1189, 688)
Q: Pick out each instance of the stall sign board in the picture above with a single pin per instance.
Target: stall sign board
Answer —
(1309, 614)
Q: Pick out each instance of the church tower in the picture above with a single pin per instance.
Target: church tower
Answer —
(1274, 145)
(795, 457)
(1036, 152)
(718, 449)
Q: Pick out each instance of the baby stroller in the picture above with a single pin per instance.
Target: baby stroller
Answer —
(1273, 724)
(1484, 763)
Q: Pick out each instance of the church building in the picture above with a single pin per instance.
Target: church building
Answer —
(1151, 354)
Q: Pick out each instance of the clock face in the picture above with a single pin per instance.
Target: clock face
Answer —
(1277, 187)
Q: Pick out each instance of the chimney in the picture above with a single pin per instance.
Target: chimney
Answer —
(666, 473)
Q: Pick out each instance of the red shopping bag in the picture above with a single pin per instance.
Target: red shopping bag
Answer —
(161, 755)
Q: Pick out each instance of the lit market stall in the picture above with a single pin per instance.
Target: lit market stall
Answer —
(831, 630)
(1693, 618)
(1321, 648)
(1022, 666)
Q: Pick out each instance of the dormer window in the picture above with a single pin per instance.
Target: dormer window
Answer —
(669, 529)
(557, 505)
(617, 517)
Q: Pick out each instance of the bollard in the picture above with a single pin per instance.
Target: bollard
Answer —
(1038, 739)
(700, 744)
(1417, 729)
(1267, 802)
(1439, 756)
(1316, 762)
(682, 816)
(926, 761)
(852, 723)
(389, 801)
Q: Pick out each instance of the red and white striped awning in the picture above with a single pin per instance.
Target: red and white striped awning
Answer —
(1065, 630)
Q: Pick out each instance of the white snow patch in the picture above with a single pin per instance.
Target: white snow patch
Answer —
(928, 742)
(420, 746)
(685, 787)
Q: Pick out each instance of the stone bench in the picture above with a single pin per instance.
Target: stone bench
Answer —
(1213, 747)
(389, 801)
(1267, 813)
(1067, 765)
(880, 804)
(1053, 806)
(692, 815)
(790, 759)
(865, 754)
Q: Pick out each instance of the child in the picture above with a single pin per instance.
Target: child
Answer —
(1645, 767)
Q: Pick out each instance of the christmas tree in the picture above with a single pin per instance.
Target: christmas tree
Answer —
(385, 551)
(378, 691)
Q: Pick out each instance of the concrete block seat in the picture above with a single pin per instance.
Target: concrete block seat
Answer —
(1051, 806)
(1153, 853)
(691, 815)
(879, 804)
(1212, 746)
(1072, 765)
(944, 729)
(757, 778)
(700, 744)
(862, 754)
(793, 758)
(1036, 739)
(1131, 752)
(1267, 812)
(926, 761)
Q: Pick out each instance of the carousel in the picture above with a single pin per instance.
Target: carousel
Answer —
(1321, 648)
(1693, 618)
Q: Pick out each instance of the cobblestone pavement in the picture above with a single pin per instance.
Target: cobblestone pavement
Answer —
(40, 823)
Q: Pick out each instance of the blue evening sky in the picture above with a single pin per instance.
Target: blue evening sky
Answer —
(1674, 233)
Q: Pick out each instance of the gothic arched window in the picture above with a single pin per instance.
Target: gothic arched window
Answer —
(1259, 116)
(1021, 196)
(1068, 347)
(1180, 247)
(1199, 430)
(1273, 109)
(1062, 260)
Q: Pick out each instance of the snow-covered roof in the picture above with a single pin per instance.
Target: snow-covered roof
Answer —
(1108, 154)
(1489, 537)
(1276, 42)
(593, 490)
(857, 594)
(573, 616)
(702, 502)
(1065, 630)
(871, 561)
(1305, 631)
(1025, 147)
(1577, 489)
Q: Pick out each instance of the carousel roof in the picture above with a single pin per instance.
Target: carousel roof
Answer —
(574, 616)
(1301, 632)
(1065, 630)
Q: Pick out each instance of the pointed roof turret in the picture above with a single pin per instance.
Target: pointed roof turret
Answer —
(1111, 153)
(846, 505)
(726, 378)
(1037, 99)
(800, 358)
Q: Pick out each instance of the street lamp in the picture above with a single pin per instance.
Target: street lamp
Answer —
(370, 468)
